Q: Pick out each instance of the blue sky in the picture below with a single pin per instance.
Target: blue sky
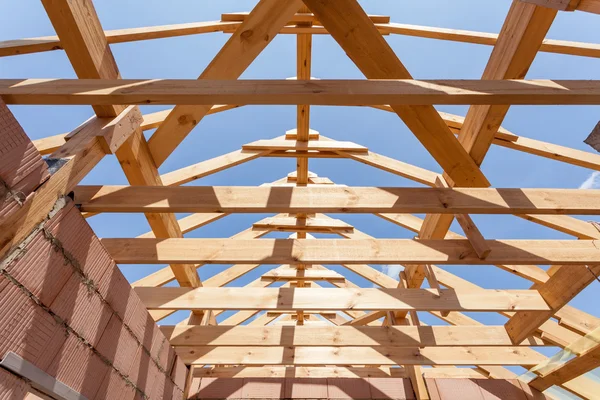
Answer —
(186, 57)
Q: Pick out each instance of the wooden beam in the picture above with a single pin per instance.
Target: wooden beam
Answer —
(403, 92)
(316, 145)
(291, 274)
(298, 17)
(388, 336)
(490, 39)
(561, 288)
(519, 40)
(299, 372)
(48, 43)
(246, 43)
(290, 224)
(475, 237)
(340, 251)
(379, 355)
(174, 298)
(335, 199)
(562, 371)
(350, 26)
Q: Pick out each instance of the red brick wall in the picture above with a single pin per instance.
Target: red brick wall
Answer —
(64, 304)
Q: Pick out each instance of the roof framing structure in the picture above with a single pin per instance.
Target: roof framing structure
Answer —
(367, 330)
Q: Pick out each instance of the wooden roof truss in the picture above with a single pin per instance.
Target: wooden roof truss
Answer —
(368, 330)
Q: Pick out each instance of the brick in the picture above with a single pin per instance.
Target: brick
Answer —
(531, 393)
(263, 388)
(194, 388)
(117, 292)
(464, 389)
(143, 371)
(498, 389)
(41, 269)
(21, 166)
(305, 388)
(118, 345)
(179, 373)
(391, 388)
(11, 386)
(177, 393)
(26, 328)
(343, 388)
(220, 388)
(160, 350)
(114, 387)
(143, 326)
(82, 309)
(78, 239)
(159, 386)
(78, 367)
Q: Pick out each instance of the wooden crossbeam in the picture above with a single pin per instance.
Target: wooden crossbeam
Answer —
(561, 288)
(174, 298)
(360, 251)
(299, 372)
(290, 224)
(379, 355)
(316, 145)
(390, 336)
(335, 199)
(298, 17)
(403, 92)
(246, 43)
(519, 40)
(291, 274)
(50, 43)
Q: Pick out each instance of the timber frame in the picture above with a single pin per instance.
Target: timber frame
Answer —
(301, 328)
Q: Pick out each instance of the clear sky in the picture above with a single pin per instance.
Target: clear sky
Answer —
(381, 132)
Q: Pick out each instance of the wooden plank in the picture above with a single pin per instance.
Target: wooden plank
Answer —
(336, 199)
(561, 288)
(540, 148)
(246, 43)
(48, 43)
(490, 39)
(298, 17)
(174, 298)
(474, 235)
(350, 26)
(291, 274)
(318, 145)
(290, 224)
(209, 167)
(357, 355)
(390, 336)
(402, 92)
(360, 251)
(453, 373)
(299, 372)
